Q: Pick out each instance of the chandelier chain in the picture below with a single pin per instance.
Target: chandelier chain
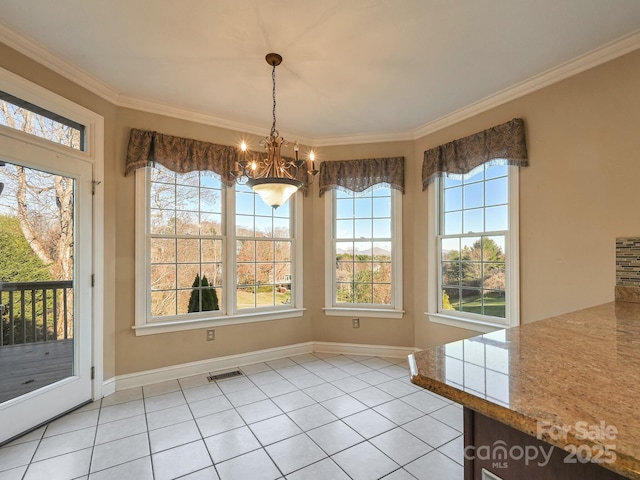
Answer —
(273, 80)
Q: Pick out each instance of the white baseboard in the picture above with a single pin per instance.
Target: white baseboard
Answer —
(138, 379)
(109, 386)
(173, 372)
(362, 349)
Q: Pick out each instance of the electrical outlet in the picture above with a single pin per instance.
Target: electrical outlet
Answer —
(211, 334)
(356, 322)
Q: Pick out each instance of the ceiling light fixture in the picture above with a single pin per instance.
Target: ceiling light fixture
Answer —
(273, 177)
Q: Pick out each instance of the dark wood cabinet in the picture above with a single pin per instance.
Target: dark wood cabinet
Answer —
(513, 455)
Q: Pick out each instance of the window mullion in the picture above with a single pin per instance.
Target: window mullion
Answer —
(229, 245)
(147, 241)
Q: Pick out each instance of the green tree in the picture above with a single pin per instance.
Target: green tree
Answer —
(209, 296)
(18, 263)
(491, 251)
(466, 266)
(194, 299)
(362, 287)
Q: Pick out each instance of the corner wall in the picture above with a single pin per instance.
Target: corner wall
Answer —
(579, 193)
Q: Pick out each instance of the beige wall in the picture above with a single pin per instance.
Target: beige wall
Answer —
(577, 196)
(579, 193)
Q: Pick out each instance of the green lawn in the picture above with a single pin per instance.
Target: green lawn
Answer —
(492, 306)
(265, 299)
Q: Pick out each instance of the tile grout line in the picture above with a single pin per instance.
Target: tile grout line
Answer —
(146, 422)
(202, 437)
(450, 441)
(95, 437)
(24, 475)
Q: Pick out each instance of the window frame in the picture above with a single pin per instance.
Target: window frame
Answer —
(395, 310)
(471, 321)
(228, 313)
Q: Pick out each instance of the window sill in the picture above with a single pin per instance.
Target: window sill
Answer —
(363, 312)
(181, 325)
(466, 323)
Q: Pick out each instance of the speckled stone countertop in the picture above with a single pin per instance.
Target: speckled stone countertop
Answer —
(583, 367)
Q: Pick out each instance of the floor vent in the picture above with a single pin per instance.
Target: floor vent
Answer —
(224, 376)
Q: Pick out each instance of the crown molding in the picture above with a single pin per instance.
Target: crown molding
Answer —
(157, 108)
(38, 53)
(610, 51)
(364, 138)
(591, 59)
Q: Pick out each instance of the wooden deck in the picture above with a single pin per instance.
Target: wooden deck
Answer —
(25, 368)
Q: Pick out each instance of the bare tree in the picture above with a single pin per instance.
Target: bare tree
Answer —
(42, 202)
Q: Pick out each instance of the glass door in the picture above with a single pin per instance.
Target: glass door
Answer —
(45, 286)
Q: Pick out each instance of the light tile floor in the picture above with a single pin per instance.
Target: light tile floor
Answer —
(313, 416)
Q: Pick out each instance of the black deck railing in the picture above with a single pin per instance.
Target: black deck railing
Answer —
(36, 311)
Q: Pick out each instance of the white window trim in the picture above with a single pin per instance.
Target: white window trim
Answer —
(469, 321)
(206, 320)
(375, 311)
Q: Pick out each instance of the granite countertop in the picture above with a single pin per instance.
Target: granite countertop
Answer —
(580, 371)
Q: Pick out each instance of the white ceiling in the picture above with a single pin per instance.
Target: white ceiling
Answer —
(352, 69)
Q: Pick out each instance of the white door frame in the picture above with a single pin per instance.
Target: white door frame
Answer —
(94, 155)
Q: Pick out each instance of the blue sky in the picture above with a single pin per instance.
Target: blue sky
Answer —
(365, 215)
(476, 202)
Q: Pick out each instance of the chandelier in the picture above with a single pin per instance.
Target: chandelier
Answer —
(273, 177)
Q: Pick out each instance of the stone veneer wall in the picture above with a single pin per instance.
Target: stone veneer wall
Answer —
(628, 269)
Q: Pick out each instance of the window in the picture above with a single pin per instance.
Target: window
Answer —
(476, 248)
(363, 258)
(210, 254)
(264, 242)
(34, 120)
(186, 242)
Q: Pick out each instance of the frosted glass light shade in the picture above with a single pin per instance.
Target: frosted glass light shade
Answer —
(274, 191)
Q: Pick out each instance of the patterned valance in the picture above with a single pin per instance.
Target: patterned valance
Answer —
(358, 175)
(504, 143)
(184, 155)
